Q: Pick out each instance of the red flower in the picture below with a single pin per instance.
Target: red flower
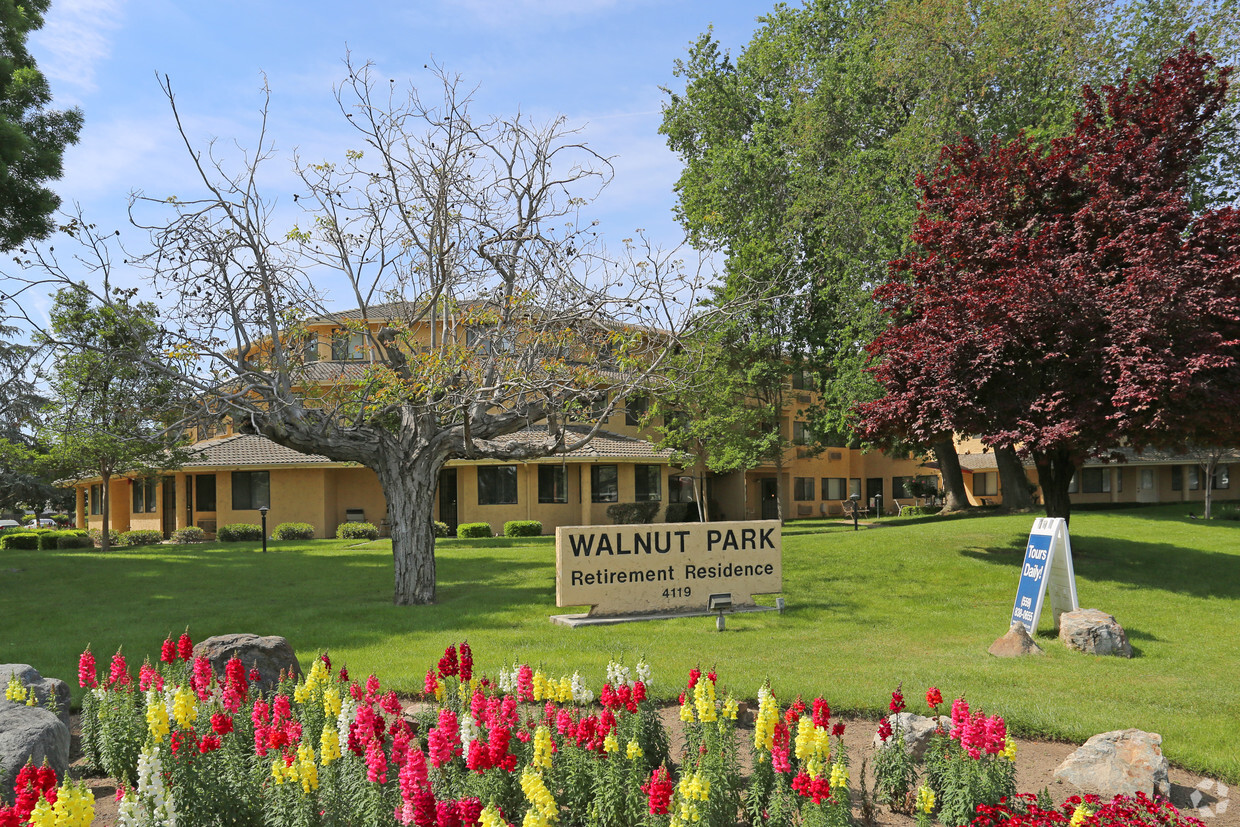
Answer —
(897, 702)
(448, 666)
(209, 743)
(694, 675)
(86, 670)
(343, 677)
(119, 674)
(185, 646)
(326, 661)
(884, 730)
(837, 730)
(221, 724)
(659, 791)
(639, 692)
(467, 662)
(933, 697)
(822, 713)
(168, 651)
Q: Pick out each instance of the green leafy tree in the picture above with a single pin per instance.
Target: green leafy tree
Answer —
(32, 136)
(108, 403)
(800, 155)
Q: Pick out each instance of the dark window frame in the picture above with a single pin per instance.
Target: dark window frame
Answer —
(552, 484)
(604, 491)
(642, 492)
(502, 483)
(251, 490)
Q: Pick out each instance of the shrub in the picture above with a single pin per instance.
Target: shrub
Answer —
(61, 519)
(74, 538)
(357, 531)
(523, 528)
(25, 540)
(918, 510)
(96, 536)
(293, 531)
(189, 534)
(239, 532)
(623, 513)
(682, 513)
(142, 537)
(440, 529)
(469, 531)
(49, 540)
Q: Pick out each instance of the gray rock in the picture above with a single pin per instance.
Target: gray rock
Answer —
(1123, 762)
(1016, 643)
(44, 688)
(271, 655)
(1094, 632)
(917, 731)
(30, 733)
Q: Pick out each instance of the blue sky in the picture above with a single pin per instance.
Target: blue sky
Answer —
(598, 62)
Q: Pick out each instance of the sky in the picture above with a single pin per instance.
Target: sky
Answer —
(599, 63)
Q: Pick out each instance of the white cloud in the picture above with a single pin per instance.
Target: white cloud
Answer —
(76, 36)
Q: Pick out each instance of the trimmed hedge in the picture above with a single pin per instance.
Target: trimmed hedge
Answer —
(627, 513)
(143, 537)
(357, 531)
(96, 536)
(472, 531)
(239, 532)
(74, 538)
(919, 510)
(523, 528)
(293, 531)
(440, 529)
(189, 534)
(24, 540)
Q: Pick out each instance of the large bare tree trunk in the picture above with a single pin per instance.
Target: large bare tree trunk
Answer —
(1012, 480)
(953, 478)
(1055, 472)
(409, 484)
(105, 507)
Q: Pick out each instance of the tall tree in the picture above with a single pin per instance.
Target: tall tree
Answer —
(32, 136)
(800, 155)
(109, 405)
(1065, 296)
(437, 219)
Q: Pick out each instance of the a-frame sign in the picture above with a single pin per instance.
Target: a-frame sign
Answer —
(1047, 566)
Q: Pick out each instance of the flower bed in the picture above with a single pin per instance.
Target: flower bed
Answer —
(192, 748)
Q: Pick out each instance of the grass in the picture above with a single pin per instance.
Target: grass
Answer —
(916, 601)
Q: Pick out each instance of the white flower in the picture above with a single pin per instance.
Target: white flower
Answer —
(581, 693)
(643, 672)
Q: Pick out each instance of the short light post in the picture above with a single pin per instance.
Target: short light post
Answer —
(717, 603)
(878, 505)
(263, 511)
(856, 501)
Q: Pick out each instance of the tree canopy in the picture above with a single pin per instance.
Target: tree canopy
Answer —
(1064, 297)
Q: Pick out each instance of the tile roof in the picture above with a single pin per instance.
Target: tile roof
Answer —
(985, 461)
(250, 449)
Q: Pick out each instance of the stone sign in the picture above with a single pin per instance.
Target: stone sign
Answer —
(660, 567)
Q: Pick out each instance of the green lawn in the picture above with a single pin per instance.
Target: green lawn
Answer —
(913, 601)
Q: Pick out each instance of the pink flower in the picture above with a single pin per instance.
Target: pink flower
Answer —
(467, 663)
(525, 682)
(822, 713)
(200, 681)
(431, 683)
(960, 717)
(185, 646)
(118, 675)
(996, 735)
(148, 677)
(86, 670)
(444, 741)
(168, 651)
(376, 763)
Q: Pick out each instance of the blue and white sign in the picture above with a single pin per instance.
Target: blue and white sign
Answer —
(1047, 567)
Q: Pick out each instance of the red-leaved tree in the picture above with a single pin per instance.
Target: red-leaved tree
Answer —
(1065, 299)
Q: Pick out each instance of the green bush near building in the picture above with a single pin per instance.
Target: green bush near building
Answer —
(473, 531)
(239, 533)
(522, 528)
(293, 531)
(357, 531)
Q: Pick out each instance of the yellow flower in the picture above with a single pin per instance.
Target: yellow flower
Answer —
(75, 806)
(1079, 816)
(490, 817)
(813, 767)
(730, 708)
(185, 708)
(633, 751)
(306, 768)
(839, 775)
(15, 691)
(610, 744)
(329, 745)
(439, 692)
(541, 692)
(157, 718)
(42, 814)
(542, 748)
(1009, 749)
(925, 799)
(331, 701)
(538, 795)
(807, 740)
(686, 712)
(704, 700)
(767, 718)
(566, 690)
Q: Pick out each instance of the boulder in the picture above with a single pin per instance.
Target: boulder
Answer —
(30, 733)
(1016, 643)
(44, 688)
(1094, 632)
(917, 731)
(270, 655)
(1123, 762)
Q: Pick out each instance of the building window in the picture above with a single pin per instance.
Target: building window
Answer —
(348, 346)
(310, 348)
(834, 488)
(679, 489)
(144, 495)
(552, 484)
(204, 492)
(802, 488)
(1177, 478)
(605, 483)
(96, 499)
(646, 483)
(801, 381)
(854, 487)
(635, 410)
(251, 490)
(1222, 478)
(1095, 480)
(900, 488)
(497, 485)
(801, 434)
(985, 484)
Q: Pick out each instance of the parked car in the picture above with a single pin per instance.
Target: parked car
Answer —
(45, 522)
(9, 524)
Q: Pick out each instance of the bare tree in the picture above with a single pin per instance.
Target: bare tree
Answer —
(503, 316)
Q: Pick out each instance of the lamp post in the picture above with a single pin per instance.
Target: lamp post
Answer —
(263, 511)
(856, 501)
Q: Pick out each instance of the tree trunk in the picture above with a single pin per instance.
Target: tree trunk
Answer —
(779, 485)
(699, 484)
(1209, 467)
(409, 484)
(1012, 480)
(1055, 472)
(953, 478)
(104, 543)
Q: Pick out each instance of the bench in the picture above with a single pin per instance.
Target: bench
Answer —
(850, 508)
